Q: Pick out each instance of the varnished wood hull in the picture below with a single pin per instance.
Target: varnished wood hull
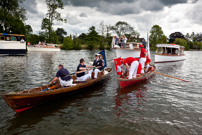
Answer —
(127, 82)
(24, 101)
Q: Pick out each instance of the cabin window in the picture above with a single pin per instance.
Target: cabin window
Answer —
(160, 50)
(2, 37)
(13, 39)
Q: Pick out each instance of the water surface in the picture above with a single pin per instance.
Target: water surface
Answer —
(158, 106)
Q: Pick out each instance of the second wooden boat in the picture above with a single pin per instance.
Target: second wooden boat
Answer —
(20, 101)
(123, 82)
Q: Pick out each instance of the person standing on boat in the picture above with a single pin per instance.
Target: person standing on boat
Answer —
(147, 63)
(63, 75)
(82, 76)
(97, 63)
(124, 41)
(143, 54)
(133, 63)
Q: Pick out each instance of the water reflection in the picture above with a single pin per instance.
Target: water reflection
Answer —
(130, 100)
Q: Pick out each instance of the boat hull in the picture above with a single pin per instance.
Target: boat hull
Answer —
(168, 58)
(12, 48)
(24, 101)
(124, 53)
(127, 82)
(38, 49)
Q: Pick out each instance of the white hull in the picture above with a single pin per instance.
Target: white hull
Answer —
(124, 53)
(12, 47)
(40, 49)
(167, 58)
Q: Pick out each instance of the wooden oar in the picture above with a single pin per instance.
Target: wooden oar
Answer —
(50, 88)
(170, 76)
(83, 70)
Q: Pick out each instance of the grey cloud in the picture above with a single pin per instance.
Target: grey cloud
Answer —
(123, 7)
(30, 6)
(83, 15)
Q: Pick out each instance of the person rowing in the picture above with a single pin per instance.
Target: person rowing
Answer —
(97, 63)
(63, 75)
(143, 54)
(133, 63)
(82, 76)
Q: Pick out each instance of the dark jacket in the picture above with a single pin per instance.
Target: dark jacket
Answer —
(98, 63)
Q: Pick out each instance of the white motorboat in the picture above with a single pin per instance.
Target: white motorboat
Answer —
(132, 49)
(169, 53)
(43, 48)
(12, 44)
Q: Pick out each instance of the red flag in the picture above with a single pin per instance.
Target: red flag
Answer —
(118, 65)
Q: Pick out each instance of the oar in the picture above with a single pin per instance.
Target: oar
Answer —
(50, 88)
(84, 70)
(170, 76)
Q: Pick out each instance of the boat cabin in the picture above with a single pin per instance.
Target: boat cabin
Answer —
(169, 49)
(11, 37)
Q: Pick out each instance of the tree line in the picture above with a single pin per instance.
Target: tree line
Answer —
(12, 20)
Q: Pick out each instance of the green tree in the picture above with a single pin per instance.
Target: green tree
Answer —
(121, 28)
(12, 17)
(181, 42)
(33, 39)
(82, 38)
(77, 44)
(199, 45)
(92, 38)
(52, 15)
(156, 36)
(60, 32)
(68, 44)
(28, 29)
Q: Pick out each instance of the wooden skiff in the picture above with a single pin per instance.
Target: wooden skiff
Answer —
(127, 82)
(20, 101)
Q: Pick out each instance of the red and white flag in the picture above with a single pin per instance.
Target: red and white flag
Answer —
(118, 65)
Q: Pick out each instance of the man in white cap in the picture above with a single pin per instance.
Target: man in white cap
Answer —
(143, 54)
(97, 63)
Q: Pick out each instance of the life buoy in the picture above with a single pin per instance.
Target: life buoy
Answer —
(7, 38)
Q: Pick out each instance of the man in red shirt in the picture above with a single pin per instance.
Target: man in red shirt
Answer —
(143, 54)
(133, 63)
(147, 63)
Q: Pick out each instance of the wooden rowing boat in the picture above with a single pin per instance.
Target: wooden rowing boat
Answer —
(123, 82)
(20, 101)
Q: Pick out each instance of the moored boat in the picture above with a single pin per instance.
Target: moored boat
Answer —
(42, 48)
(20, 101)
(123, 82)
(12, 44)
(132, 49)
(169, 53)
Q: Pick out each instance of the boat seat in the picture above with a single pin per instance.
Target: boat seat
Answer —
(79, 81)
(69, 85)
(105, 72)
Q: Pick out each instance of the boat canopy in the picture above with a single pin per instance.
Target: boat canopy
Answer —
(168, 45)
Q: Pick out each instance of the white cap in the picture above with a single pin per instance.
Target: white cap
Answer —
(97, 54)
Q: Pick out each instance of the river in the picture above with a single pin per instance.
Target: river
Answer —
(158, 106)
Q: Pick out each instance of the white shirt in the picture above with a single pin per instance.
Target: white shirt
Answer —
(125, 40)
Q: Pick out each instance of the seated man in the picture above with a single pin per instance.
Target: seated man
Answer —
(97, 63)
(63, 76)
(22, 40)
(133, 62)
(82, 66)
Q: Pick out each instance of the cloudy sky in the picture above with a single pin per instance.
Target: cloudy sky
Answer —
(172, 15)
